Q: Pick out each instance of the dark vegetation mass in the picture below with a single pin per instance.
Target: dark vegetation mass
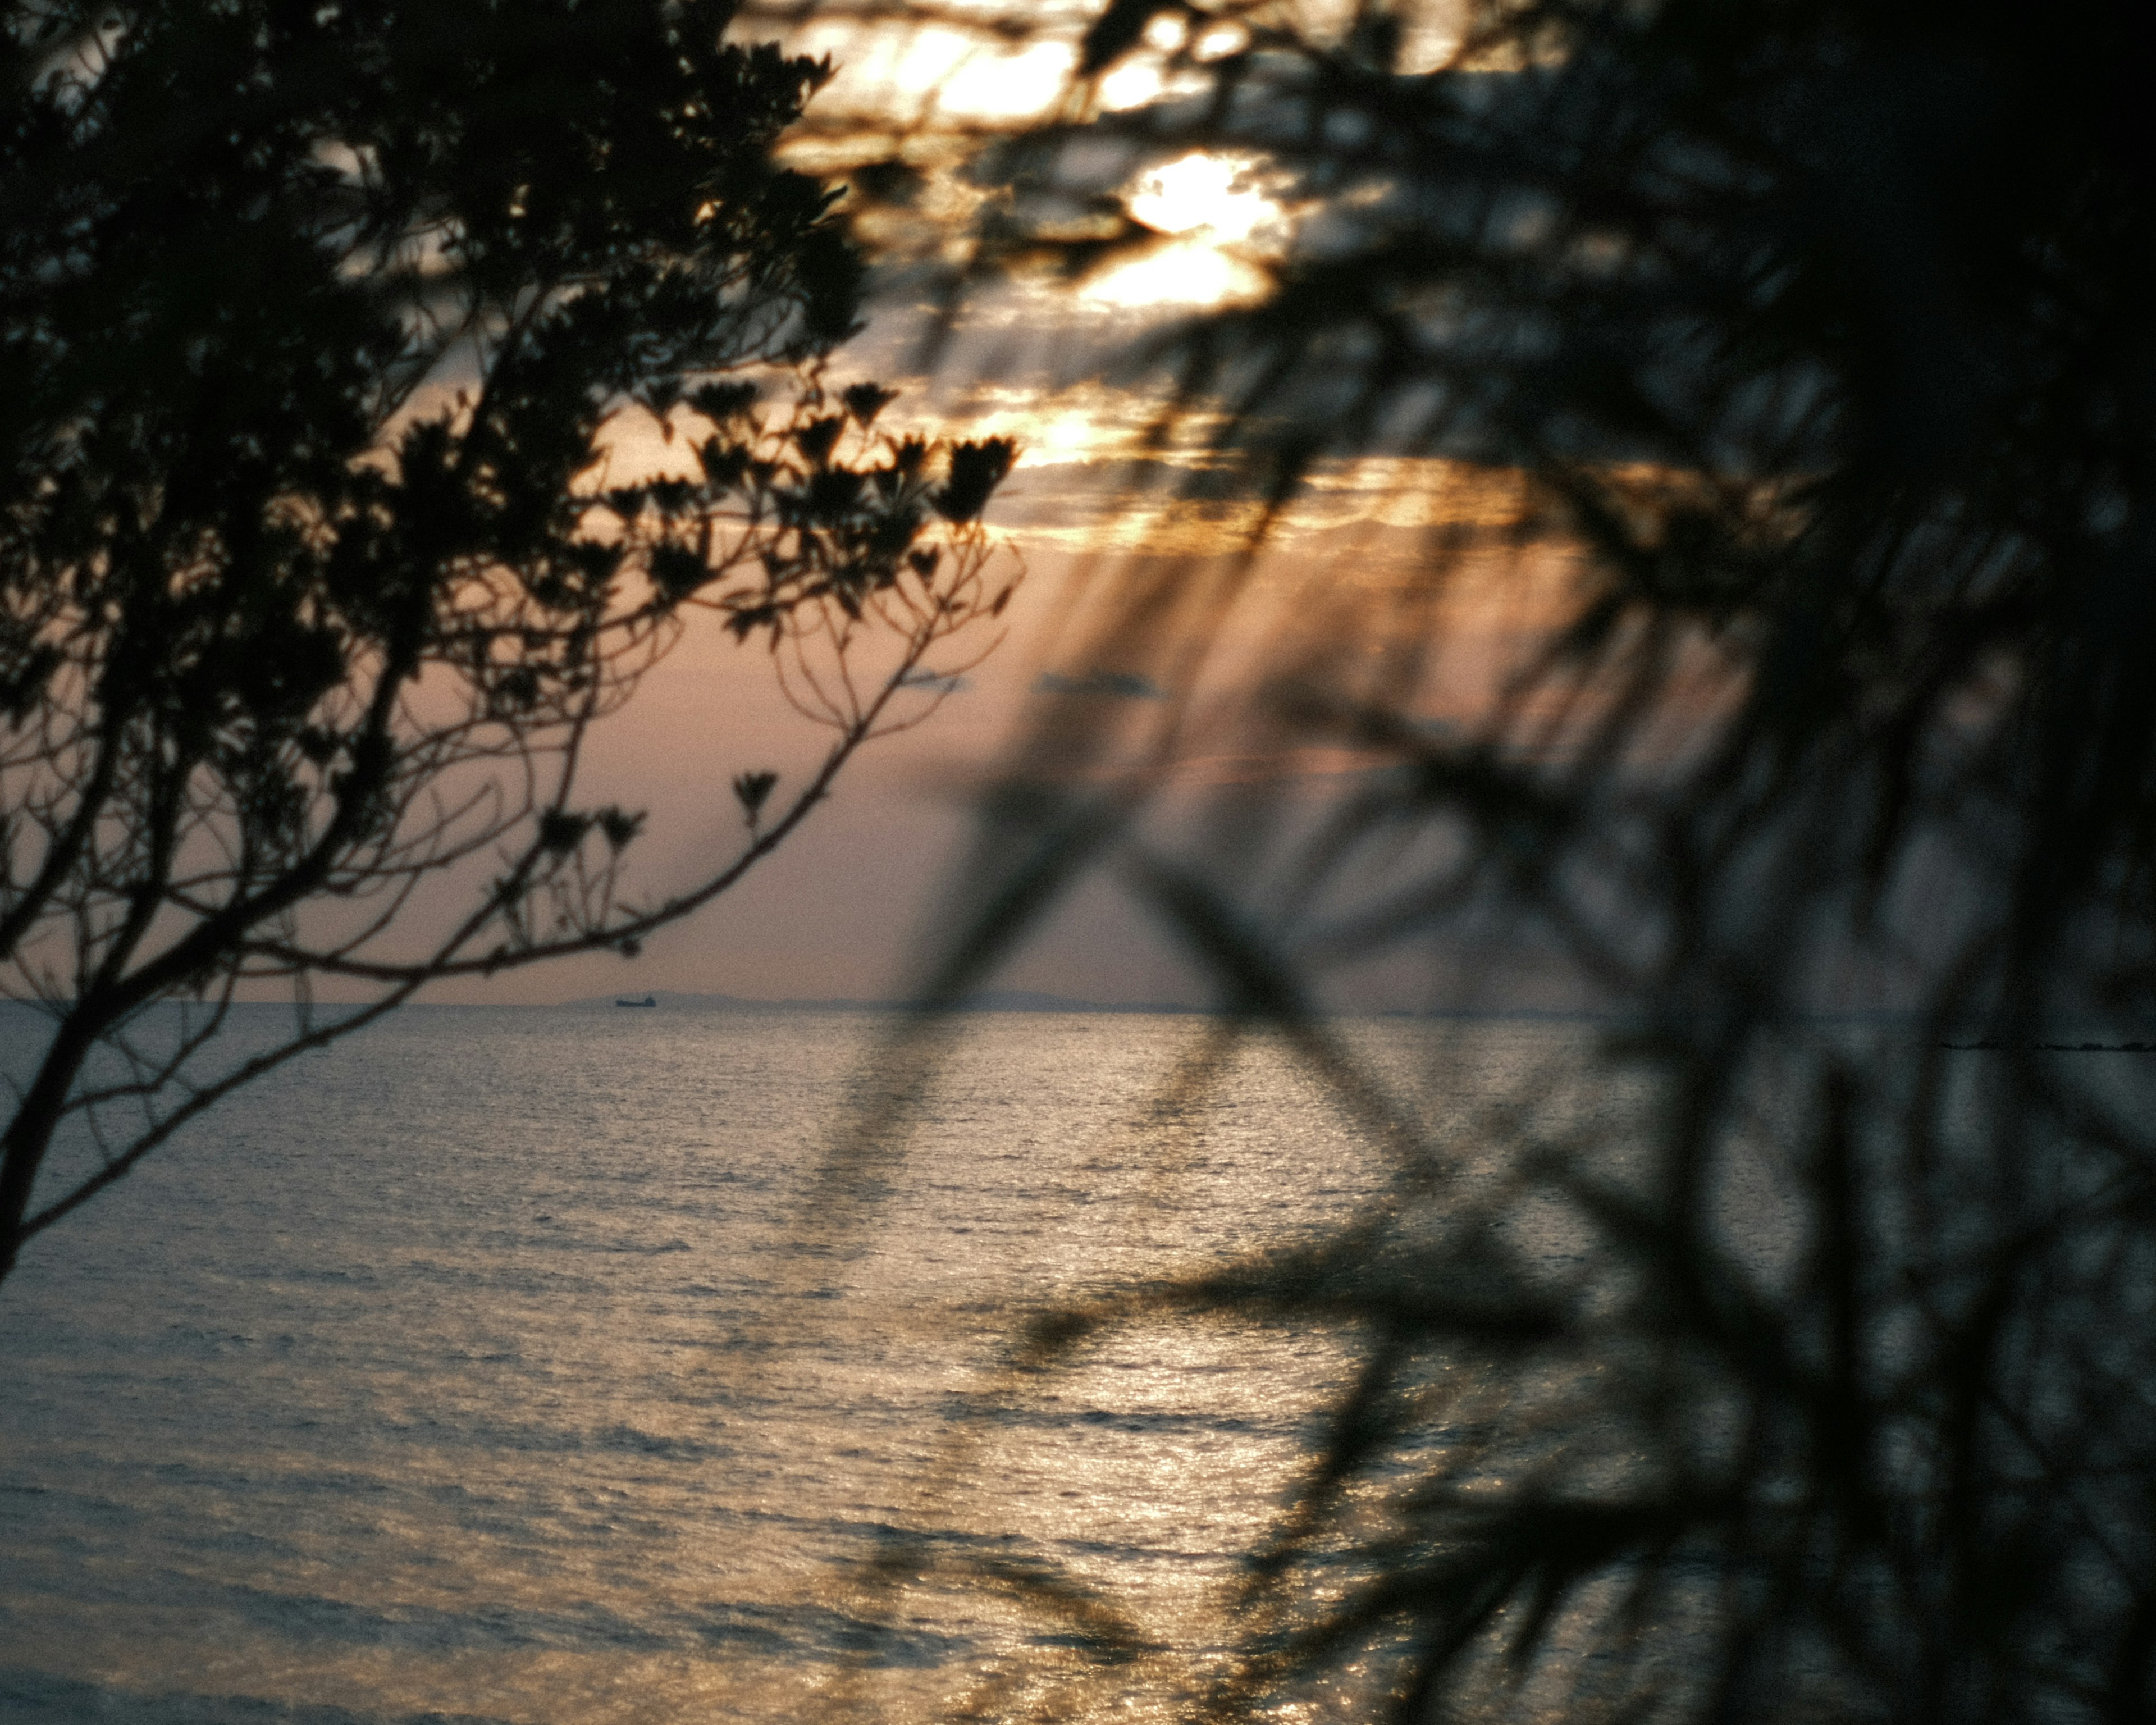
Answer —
(1822, 337)
(316, 321)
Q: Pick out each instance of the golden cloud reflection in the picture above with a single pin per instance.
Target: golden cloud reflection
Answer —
(913, 71)
(1188, 272)
(1067, 508)
(1391, 560)
(1089, 423)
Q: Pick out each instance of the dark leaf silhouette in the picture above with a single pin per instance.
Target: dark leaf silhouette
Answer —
(754, 790)
(315, 326)
(1118, 30)
(976, 469)
(1790, 363)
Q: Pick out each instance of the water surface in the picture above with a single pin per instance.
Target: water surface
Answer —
(513, 1365)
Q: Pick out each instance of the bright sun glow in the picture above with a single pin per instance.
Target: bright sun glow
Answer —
(1216, 195)
(1210, 205)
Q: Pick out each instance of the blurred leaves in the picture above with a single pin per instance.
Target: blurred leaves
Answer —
(1118, 30)
(753, 790)
(1821, 339)
(976, 469)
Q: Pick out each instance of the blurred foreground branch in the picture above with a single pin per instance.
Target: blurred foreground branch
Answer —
(1819, 341)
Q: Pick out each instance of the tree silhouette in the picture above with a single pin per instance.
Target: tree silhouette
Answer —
(1817, 341)
(317, 326)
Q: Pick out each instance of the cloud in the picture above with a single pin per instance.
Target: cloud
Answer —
(1119, 685)
(934, 682)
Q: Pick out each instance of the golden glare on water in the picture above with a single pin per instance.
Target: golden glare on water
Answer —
(589, 1424)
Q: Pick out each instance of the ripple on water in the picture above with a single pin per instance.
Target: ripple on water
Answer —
(503, 1367)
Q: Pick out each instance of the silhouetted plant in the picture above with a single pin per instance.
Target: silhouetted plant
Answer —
(317, 326)
(1819, 340)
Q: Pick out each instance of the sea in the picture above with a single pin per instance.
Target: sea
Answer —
(582, 1366)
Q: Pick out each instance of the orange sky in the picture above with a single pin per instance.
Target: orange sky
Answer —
(846, 907)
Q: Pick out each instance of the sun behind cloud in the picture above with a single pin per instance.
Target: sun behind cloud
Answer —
(1219, 196)
(1217, 220)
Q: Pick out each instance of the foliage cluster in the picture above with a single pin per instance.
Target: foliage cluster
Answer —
(1821, 336)
(320, 326)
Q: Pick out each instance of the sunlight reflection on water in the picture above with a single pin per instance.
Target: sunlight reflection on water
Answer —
(495, 1364)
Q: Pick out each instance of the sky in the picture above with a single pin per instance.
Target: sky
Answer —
(855, 903)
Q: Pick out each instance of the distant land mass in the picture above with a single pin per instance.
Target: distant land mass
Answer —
(986, 1000)
(1024, 1000)
(1035, 1000)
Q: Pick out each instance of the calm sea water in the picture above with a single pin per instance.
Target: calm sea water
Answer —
(525, 1366)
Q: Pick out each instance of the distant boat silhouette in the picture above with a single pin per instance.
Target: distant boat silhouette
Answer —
(648, 1000)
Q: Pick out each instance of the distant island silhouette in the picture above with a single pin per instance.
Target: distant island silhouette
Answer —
(1998, 1044)
(987, 1000)
(1035, 1000)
